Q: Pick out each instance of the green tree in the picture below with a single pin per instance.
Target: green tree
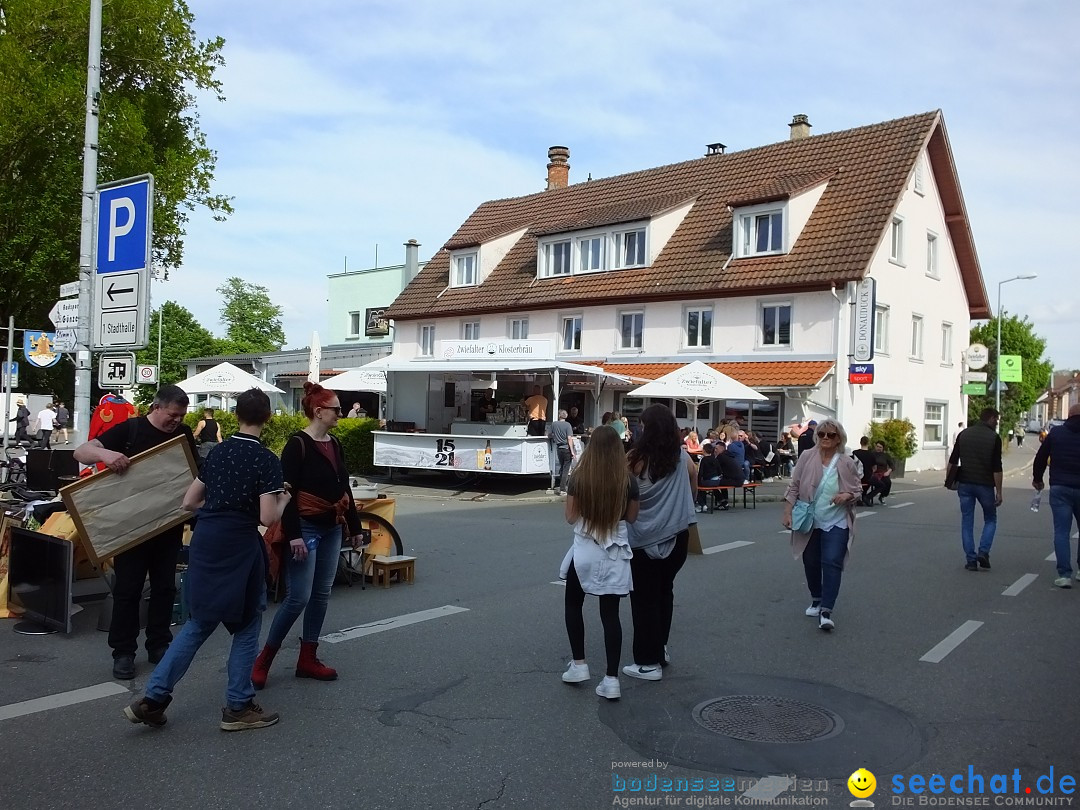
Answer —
(182, 337)
(151, 65)
(1017, 337)
(252, 321)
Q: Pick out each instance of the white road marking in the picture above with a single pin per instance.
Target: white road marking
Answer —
(901, 505)
(951, 642)
(1052, 557)
(43, 704)
(727, 546)
(393, 623)
(784, 531)
(864, 514)
(559, 582)
(1019, 585)
(768, 788)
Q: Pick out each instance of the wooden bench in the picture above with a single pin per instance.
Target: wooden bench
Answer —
(751, 487)
(384, 566)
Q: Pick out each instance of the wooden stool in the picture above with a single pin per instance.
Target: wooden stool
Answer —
(384, 566)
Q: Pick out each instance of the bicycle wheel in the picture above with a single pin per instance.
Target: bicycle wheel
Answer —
(377, 523)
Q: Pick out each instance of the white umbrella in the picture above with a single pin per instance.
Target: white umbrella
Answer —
(358, 379)
(695, 383)
(225, 378)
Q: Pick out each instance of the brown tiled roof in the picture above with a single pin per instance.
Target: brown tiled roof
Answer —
(781, 188)
(614, 214)
(765, 374)
(867, 169)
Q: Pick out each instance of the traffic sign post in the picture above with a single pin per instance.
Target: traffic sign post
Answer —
(65, 314)
(121, 312)
(146, 375)
(69, 290)
(10, 376)
(116, 370)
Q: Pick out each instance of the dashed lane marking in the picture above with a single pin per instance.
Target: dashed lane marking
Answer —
(951, 642)
(864, 514)
(393, 623)
(43, 704)
(727, 546)
(1052, 557)
(1019, 585)
(901, 505)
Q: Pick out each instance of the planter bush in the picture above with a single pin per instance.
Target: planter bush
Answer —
(899, 438)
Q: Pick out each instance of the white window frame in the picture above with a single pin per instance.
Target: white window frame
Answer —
(610, 244)
(746, 230)
(641, 236)
(518, 329)
(461, 275)
(883, 408)
(620, 344)
(941, 422)
(470, 330)
(777, 346)
(563, 319)
(896, 241)
(918, 333)
(356, 322)
(932, 255)
(547, 258)
(881, 329)
(701, 345)
(597, 264)
(426, 340)
(946, 343)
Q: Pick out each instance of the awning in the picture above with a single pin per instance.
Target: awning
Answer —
(363, 378)
(486, 366)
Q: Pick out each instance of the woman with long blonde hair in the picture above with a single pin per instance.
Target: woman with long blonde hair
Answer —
(602, 498)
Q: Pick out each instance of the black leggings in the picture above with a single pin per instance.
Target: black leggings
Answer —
(652, 601)
(575, 623)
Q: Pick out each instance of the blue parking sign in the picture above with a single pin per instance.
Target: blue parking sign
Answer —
(125, 213)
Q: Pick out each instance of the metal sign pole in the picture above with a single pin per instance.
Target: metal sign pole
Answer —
(7, 378)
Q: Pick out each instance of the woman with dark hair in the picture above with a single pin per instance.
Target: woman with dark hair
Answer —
(314, 465)
(667, 480)
(239, 487)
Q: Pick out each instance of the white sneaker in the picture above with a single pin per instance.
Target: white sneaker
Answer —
(813, 610)
(825, 621)
(609, 688)
(1063, 582)
(1078, 576)
(576, 673)
(643, 673)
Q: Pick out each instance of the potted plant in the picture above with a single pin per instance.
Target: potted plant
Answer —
(899, 438)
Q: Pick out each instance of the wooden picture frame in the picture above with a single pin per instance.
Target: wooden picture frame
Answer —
(116, 512)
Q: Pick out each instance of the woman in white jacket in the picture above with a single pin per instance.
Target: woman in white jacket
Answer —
(601, 499)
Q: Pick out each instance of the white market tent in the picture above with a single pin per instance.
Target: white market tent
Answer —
(225, 380)
(358, 379)
(695, 383)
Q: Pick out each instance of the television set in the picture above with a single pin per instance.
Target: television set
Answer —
(40, 573)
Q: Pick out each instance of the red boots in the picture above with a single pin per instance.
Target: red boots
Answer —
(308, 665)
(262, 666)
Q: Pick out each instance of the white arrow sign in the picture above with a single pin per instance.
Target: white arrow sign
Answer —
(69, 289)
(65, 340)
(65, 314)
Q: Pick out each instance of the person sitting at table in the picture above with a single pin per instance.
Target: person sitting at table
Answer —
(708, 475)
(730, 474)
(692, 442)
(785, 451)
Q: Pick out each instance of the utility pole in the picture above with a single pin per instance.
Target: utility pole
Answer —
(7, 378)
(81, 412)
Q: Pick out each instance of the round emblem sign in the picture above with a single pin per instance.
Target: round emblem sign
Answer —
(976, 355)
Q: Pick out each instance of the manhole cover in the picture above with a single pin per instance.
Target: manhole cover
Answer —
(766, 718)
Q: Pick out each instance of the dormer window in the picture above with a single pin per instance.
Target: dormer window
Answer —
(593, 251)
(760, 231)
(464, 269)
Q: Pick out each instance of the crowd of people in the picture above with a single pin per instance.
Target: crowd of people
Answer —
(37, 431)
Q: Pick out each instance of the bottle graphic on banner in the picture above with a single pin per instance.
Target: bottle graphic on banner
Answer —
(487, 455)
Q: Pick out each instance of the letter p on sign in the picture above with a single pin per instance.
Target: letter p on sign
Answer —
(115, 229)
(125, 215)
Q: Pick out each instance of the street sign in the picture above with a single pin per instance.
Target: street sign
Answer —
(70, 289)
(862, 322)
(10, 375)
(974, 389)
(66, 340)
(125, 224)
(1010, 368)
(861, 373)
(65, 314)
(977, 355)
(39, 349)
(146, 375)
(116, 370)
(975, 376)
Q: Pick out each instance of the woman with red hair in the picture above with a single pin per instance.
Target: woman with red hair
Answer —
(313, 464)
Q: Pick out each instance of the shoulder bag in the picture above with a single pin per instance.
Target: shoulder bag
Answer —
(802, 513)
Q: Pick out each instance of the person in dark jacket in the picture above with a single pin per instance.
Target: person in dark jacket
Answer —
(806, 438)
(1062, 447)
(708, 474)
(322, 507)
(881, 470)
(239, 487)
(22, 421)
(865, 457)
(978, 454)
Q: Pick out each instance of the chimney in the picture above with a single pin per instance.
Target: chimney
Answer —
(558, 167)
(715, 148)
(800, 127)
(412, 262)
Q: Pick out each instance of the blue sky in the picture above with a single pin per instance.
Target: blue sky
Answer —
(348, 126)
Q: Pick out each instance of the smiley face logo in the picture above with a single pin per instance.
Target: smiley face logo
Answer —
(862, 783)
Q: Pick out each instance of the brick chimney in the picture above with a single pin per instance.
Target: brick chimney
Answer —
(558, 167)
(800, 127)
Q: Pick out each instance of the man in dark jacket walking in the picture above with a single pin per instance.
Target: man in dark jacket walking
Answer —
(978, 453)
(1062, 447)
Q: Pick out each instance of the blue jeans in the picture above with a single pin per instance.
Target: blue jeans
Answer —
(823, 561)
(308, 584)
(984, 494)
(245, 645)
(1064, 505)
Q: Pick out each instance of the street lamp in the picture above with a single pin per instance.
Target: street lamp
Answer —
(997, 376)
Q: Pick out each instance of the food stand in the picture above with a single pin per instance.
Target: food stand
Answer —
(433, 415)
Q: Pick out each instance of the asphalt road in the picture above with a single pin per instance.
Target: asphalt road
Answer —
(464, 707)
